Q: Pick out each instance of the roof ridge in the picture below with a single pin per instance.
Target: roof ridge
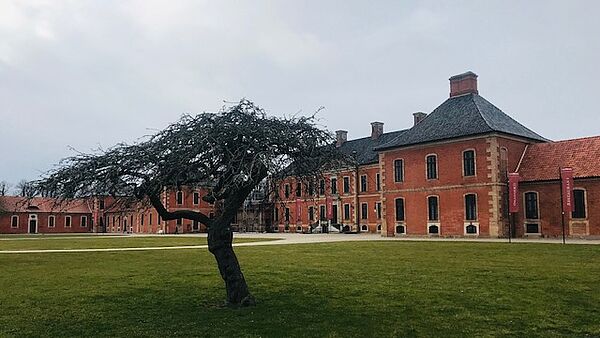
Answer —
(472, 98)
(368, 137)
(574, 139)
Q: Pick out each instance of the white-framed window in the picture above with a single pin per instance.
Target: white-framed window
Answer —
(346, 184)
(378, 182)
(531, 205)
(378, 209)
(364, 211)
(471, 207)
(399, 206)
(400, 229)
(51, 221)
(431, 167)
(433, 229)
(399, 170)
(364, 227)
(14, 221)
(83, 221)
(179, 197)
(363, 183)
(333, 182)
(469, 162)
(579, 204)
(311, 213)
(346, 211)
(433, 208)
(68, 221)
(196, 198)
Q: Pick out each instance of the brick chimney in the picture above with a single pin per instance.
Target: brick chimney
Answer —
(465, 83)
(418, 117)
(341, 136)
(376, 130)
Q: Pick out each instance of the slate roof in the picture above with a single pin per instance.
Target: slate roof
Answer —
(542, 161)
(365, 146)
(459, 116)
(42, 205)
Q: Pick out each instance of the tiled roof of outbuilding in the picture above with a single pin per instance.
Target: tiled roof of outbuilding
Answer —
(459, 116)
(365, 146)
(543, 161)
(42, 205)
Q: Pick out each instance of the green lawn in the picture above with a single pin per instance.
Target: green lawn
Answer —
(94, 242)
(353, 289)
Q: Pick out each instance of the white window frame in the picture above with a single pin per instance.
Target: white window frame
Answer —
(12, 226)
(474, 162)
(53, 218)
(366, 183)
(70, 221)
(437, 169)
(81, 222)
(401, 170)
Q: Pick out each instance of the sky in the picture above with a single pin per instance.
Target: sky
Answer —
(79, 75)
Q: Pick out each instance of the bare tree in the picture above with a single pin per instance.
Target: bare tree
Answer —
(25, 189)
(231, 152)
(4, 188)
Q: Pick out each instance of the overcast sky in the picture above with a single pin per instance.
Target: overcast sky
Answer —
(84, 74)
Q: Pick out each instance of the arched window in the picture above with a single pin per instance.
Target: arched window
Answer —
(432, 167)
(179, 197)
(579, 204)
(469, 163)
(531, 205)
(399, 209)
(51, 221)
(398, 170)
(433, 208)
(364, 227)
(471, 207)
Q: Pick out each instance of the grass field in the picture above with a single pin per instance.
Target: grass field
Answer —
(352, 289)
(95, 242)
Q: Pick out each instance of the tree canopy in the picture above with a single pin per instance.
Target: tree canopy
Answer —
(231, 152)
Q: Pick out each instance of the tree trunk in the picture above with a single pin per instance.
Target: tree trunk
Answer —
(220, 239)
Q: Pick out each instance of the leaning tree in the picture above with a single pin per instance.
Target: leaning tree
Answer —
(231, 152)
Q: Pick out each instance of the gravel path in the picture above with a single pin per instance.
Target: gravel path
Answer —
(288, 238)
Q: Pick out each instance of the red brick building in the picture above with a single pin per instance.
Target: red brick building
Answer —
(447, 176)
(100, 214)
(20, 215)
(540, 189)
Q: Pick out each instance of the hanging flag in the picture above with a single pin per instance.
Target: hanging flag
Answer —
(329, 203)
(513, 192)
(298, 210)
(566, 176)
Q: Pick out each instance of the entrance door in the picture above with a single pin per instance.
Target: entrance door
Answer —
(334, 214)
(33, 224)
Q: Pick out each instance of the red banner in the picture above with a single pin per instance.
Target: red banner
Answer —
(298, 210)
(329, 203)
(566, 177)
(513, 192)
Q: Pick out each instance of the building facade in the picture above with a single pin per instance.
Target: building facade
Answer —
(447, 176)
